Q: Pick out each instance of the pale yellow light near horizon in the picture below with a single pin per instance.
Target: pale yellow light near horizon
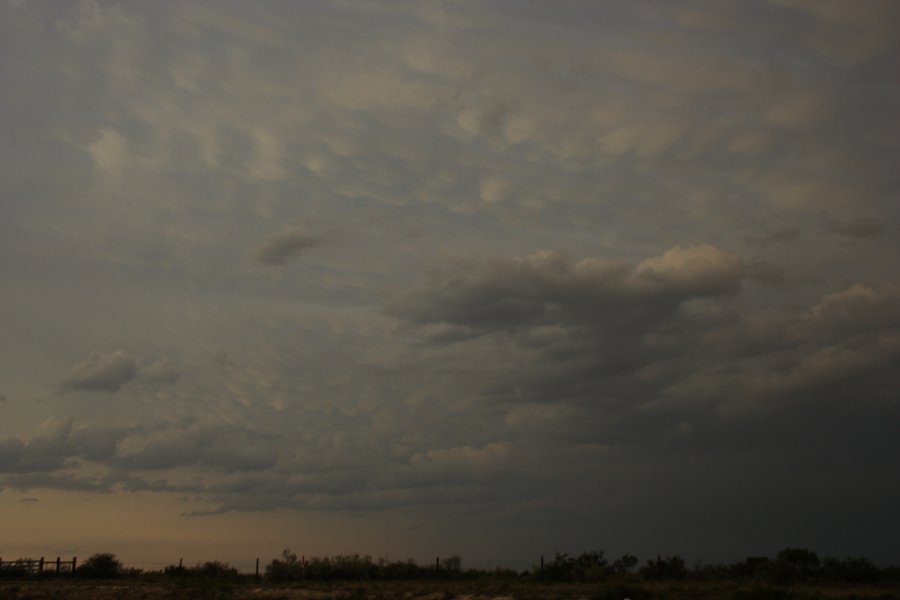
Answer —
(148, 531)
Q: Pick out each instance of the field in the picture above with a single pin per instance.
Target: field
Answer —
(436, 590)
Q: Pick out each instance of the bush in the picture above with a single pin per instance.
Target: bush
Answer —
(100, 566)
(286, 569)
(215, 569)
(588, 566)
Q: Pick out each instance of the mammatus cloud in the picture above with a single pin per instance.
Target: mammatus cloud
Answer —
(109, 371)
(284, 246)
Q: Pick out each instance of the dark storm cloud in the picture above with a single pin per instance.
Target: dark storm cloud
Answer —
(664, 335)
(284, 246)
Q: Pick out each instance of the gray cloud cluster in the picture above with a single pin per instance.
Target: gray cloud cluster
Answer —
(663, 333)
(57, 442)
(579, 326)
(550, 288)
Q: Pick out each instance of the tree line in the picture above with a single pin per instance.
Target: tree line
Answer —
(789, 566)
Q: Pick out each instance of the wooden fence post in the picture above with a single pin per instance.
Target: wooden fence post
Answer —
(437, 564)
(41, 565)
(257, 568)
(542, 565)
(74, 559)
(57, 564)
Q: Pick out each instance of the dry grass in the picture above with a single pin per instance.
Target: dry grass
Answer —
(471, 590)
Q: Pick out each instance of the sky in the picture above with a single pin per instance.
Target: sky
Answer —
(414, 279)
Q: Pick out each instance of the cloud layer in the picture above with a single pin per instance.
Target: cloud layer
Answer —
(600, 273)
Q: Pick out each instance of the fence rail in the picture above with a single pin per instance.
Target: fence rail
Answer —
(39, 565)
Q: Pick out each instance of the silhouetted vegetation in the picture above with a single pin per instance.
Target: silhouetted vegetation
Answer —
(208, 570)
(668, 568)
(753, 577)
(355, 567)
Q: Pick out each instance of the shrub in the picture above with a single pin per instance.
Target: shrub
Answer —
(671, 567)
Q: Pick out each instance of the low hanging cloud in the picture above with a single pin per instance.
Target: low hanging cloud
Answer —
(666, 333)
(110, 371)
(285, 246)
(102, 372)
(548, 288)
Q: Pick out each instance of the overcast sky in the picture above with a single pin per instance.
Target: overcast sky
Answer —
(411, 279)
